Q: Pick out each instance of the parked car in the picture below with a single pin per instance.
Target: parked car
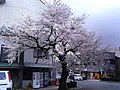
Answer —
(5, 80)
(78, 77)
(58, 76)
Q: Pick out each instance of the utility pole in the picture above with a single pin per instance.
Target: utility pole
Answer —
(21, 65)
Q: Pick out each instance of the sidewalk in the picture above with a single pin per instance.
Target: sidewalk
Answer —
(56, 87)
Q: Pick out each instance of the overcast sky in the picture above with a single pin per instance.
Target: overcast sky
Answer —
(104, 18)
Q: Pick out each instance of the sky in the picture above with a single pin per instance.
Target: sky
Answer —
(103, 18)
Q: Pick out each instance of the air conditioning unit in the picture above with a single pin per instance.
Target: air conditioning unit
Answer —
(2, 1)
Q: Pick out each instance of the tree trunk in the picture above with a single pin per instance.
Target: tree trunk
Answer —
(62, 81)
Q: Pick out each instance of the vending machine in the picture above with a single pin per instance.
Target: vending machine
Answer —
(36, 79)
(46, 79)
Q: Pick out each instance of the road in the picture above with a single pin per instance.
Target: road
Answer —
(99, 85)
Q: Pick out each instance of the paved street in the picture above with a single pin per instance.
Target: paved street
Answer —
(91, 85)
(99, 85)
(56, 87)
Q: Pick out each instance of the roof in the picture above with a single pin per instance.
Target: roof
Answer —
(117, 54)
(116, 51)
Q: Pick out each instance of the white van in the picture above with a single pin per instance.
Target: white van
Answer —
(5, 80)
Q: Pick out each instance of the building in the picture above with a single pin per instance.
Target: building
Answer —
(112, 66)
(95, 71)
(109, 67)
(117, 64)
(117, 67)
(12, 10)
(24, 69)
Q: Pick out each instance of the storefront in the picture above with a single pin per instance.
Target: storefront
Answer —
(91, 73)
(38, 75)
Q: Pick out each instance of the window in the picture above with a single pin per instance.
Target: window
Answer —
(39, 53)
(2, 76)
(2, 1)
(4, 53)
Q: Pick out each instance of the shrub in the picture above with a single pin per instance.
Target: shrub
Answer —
(29, 86)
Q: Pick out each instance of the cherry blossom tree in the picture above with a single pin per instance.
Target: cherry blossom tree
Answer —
(56, 31)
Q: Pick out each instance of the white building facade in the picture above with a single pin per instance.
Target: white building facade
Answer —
(12, 10)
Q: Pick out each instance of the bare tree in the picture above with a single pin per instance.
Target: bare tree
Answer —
(56, 31)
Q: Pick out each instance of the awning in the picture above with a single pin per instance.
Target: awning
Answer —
(7, 65)
(17, 65)
(38, 65)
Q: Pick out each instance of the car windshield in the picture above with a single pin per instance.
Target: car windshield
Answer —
(2, 76)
